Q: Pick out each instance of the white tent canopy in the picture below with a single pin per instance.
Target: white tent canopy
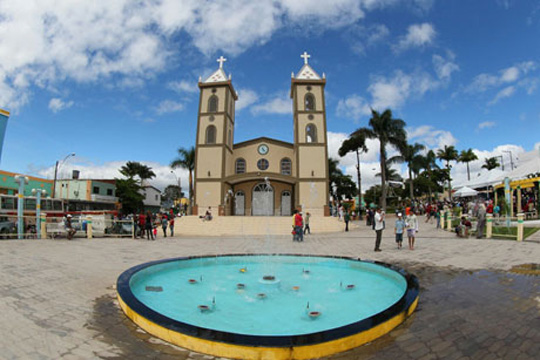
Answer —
(465, 192)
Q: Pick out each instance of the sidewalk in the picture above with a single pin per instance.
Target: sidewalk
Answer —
(57, 296)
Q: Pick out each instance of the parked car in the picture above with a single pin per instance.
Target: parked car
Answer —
(8, 229)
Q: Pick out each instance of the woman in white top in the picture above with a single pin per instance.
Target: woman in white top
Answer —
(411, 222)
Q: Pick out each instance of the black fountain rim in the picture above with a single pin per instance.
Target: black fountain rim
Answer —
(402, 305)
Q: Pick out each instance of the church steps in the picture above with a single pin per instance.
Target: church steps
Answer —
(251, 225)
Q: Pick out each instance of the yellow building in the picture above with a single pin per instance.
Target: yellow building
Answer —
(263, 176)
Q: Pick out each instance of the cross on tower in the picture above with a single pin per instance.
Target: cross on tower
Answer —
(306, 56)
(221, 60)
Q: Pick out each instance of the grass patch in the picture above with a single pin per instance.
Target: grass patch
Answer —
(512, 231)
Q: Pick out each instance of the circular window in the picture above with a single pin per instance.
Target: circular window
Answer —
(214, 91)
(310, 117)
(309, 88)
(211, 118)
(263, 164)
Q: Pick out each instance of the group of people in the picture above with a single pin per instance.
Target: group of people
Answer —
(147, 224)
(300, 224)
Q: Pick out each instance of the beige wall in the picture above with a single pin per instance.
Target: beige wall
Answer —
(309, 158)
(274, 156)
(204, 122)
(208, 194)
(312, 196)
(247, 188)
(209, 159)
(220, 93)
(318, 121)
(316, 90)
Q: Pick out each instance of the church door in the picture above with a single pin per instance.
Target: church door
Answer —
(240, 203)
(286, 203)
(263, 200)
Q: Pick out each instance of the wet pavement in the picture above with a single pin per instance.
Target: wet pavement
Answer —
(57, 298)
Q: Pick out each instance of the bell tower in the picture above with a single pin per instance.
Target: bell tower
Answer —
(310, 142)
(214, 142)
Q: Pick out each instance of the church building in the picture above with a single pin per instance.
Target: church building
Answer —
(262, 176)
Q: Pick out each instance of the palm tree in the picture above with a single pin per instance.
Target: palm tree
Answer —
(133, 168)
(186, 160)
(491, 163)
(391, 175)
(388, 131)
(411, 155)
(448, 153)
(356, 144)
(467, 156)
(427, 162)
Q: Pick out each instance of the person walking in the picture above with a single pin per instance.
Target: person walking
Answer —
(379, 227)
(481, 221)
(398, 230)
(298, 225)
(346, 218)
(171, 225)
(411, 223)
(164, 224)
(148, 226)
(307, 229)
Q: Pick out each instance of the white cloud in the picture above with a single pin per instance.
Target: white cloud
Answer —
(57, 104)
(444, 67)
(430, 137)
(43, 42)
(169, 106)
(246, 98)
(109, 170)
(537, 146)
(183, 86)
(353, 107)
(362, 38)
(486, 81)
(280, 104)
(504, 93)
(486, 125)
(418, 35)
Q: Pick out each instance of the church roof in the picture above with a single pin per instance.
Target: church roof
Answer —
(218, 75)
(307, 73)
(264, 139)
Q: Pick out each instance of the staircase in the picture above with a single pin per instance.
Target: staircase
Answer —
(252, 225)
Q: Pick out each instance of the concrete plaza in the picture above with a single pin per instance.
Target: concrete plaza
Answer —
(57, 297)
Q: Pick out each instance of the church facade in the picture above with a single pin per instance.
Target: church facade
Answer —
(262, 176)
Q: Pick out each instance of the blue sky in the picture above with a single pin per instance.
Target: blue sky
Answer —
(117, 81)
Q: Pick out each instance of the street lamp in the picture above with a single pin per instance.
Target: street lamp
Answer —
(38, 193)
(22, 181)
(502, 161)
(511, 161)
(58, 164)
(178, 181)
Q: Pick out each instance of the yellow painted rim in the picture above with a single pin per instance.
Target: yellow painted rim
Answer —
(267, 353)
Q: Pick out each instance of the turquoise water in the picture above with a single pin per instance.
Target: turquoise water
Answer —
(321, 282)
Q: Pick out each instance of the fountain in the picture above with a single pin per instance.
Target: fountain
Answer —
(289, 313)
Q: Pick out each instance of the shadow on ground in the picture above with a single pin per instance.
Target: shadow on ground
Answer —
(461, 315)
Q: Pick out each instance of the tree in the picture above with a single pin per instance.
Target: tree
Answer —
(356, 144)
(448, 153)
(427, 162)
(132, 169)
(172, 192)
(341, 185)
(467, 156)
(388, 131)
(491, 163)
(411, 155)
(186, 160)
(129, 194)
(391, 174)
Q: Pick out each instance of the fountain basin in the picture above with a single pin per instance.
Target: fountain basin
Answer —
(279, 327)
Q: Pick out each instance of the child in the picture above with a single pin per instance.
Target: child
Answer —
(398, 230)
(412, 228)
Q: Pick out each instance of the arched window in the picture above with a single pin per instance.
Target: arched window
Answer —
(286, 166)
(240, 166)
(211, 134)
(311, 133)
(309, 102)
(213, 103)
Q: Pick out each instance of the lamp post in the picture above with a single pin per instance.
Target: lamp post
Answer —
(502, 161)
(38, 193)
(58, 164)
(22, 181)
(179, 182)
(511, 160)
